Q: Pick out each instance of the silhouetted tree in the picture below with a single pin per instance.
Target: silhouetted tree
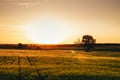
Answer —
(20, 46)
(88, 42)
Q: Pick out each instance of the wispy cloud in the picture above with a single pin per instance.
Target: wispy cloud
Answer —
(21, 2)
(28, 3)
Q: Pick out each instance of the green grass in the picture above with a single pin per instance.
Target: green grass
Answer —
(59, 65)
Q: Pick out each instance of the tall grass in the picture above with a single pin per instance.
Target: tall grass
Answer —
(59, 65)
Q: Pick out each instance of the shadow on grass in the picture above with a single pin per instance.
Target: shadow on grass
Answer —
(60, 77)
(88, 77)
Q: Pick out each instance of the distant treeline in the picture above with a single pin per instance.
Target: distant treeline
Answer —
(37, 46)
(98, 46)
(107, 44)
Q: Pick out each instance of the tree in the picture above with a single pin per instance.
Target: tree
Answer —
(88, 42)
(20, 46)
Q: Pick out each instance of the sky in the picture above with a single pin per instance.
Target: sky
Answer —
(59, 21)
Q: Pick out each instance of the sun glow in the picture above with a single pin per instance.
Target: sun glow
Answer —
(47, 31)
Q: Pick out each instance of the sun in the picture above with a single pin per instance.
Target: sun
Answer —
(47, 31)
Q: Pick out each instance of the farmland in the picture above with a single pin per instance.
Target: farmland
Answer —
(59, 65)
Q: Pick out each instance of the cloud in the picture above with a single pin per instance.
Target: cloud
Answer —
(28, 3)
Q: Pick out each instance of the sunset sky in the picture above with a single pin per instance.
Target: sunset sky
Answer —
(59, 21)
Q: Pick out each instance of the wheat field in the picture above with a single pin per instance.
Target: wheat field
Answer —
(59, 65)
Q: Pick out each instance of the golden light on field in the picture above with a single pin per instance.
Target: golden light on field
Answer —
(47, 31)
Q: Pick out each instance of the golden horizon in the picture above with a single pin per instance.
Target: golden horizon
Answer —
(59, 21)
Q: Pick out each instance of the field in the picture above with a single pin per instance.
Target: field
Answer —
(59, 65)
